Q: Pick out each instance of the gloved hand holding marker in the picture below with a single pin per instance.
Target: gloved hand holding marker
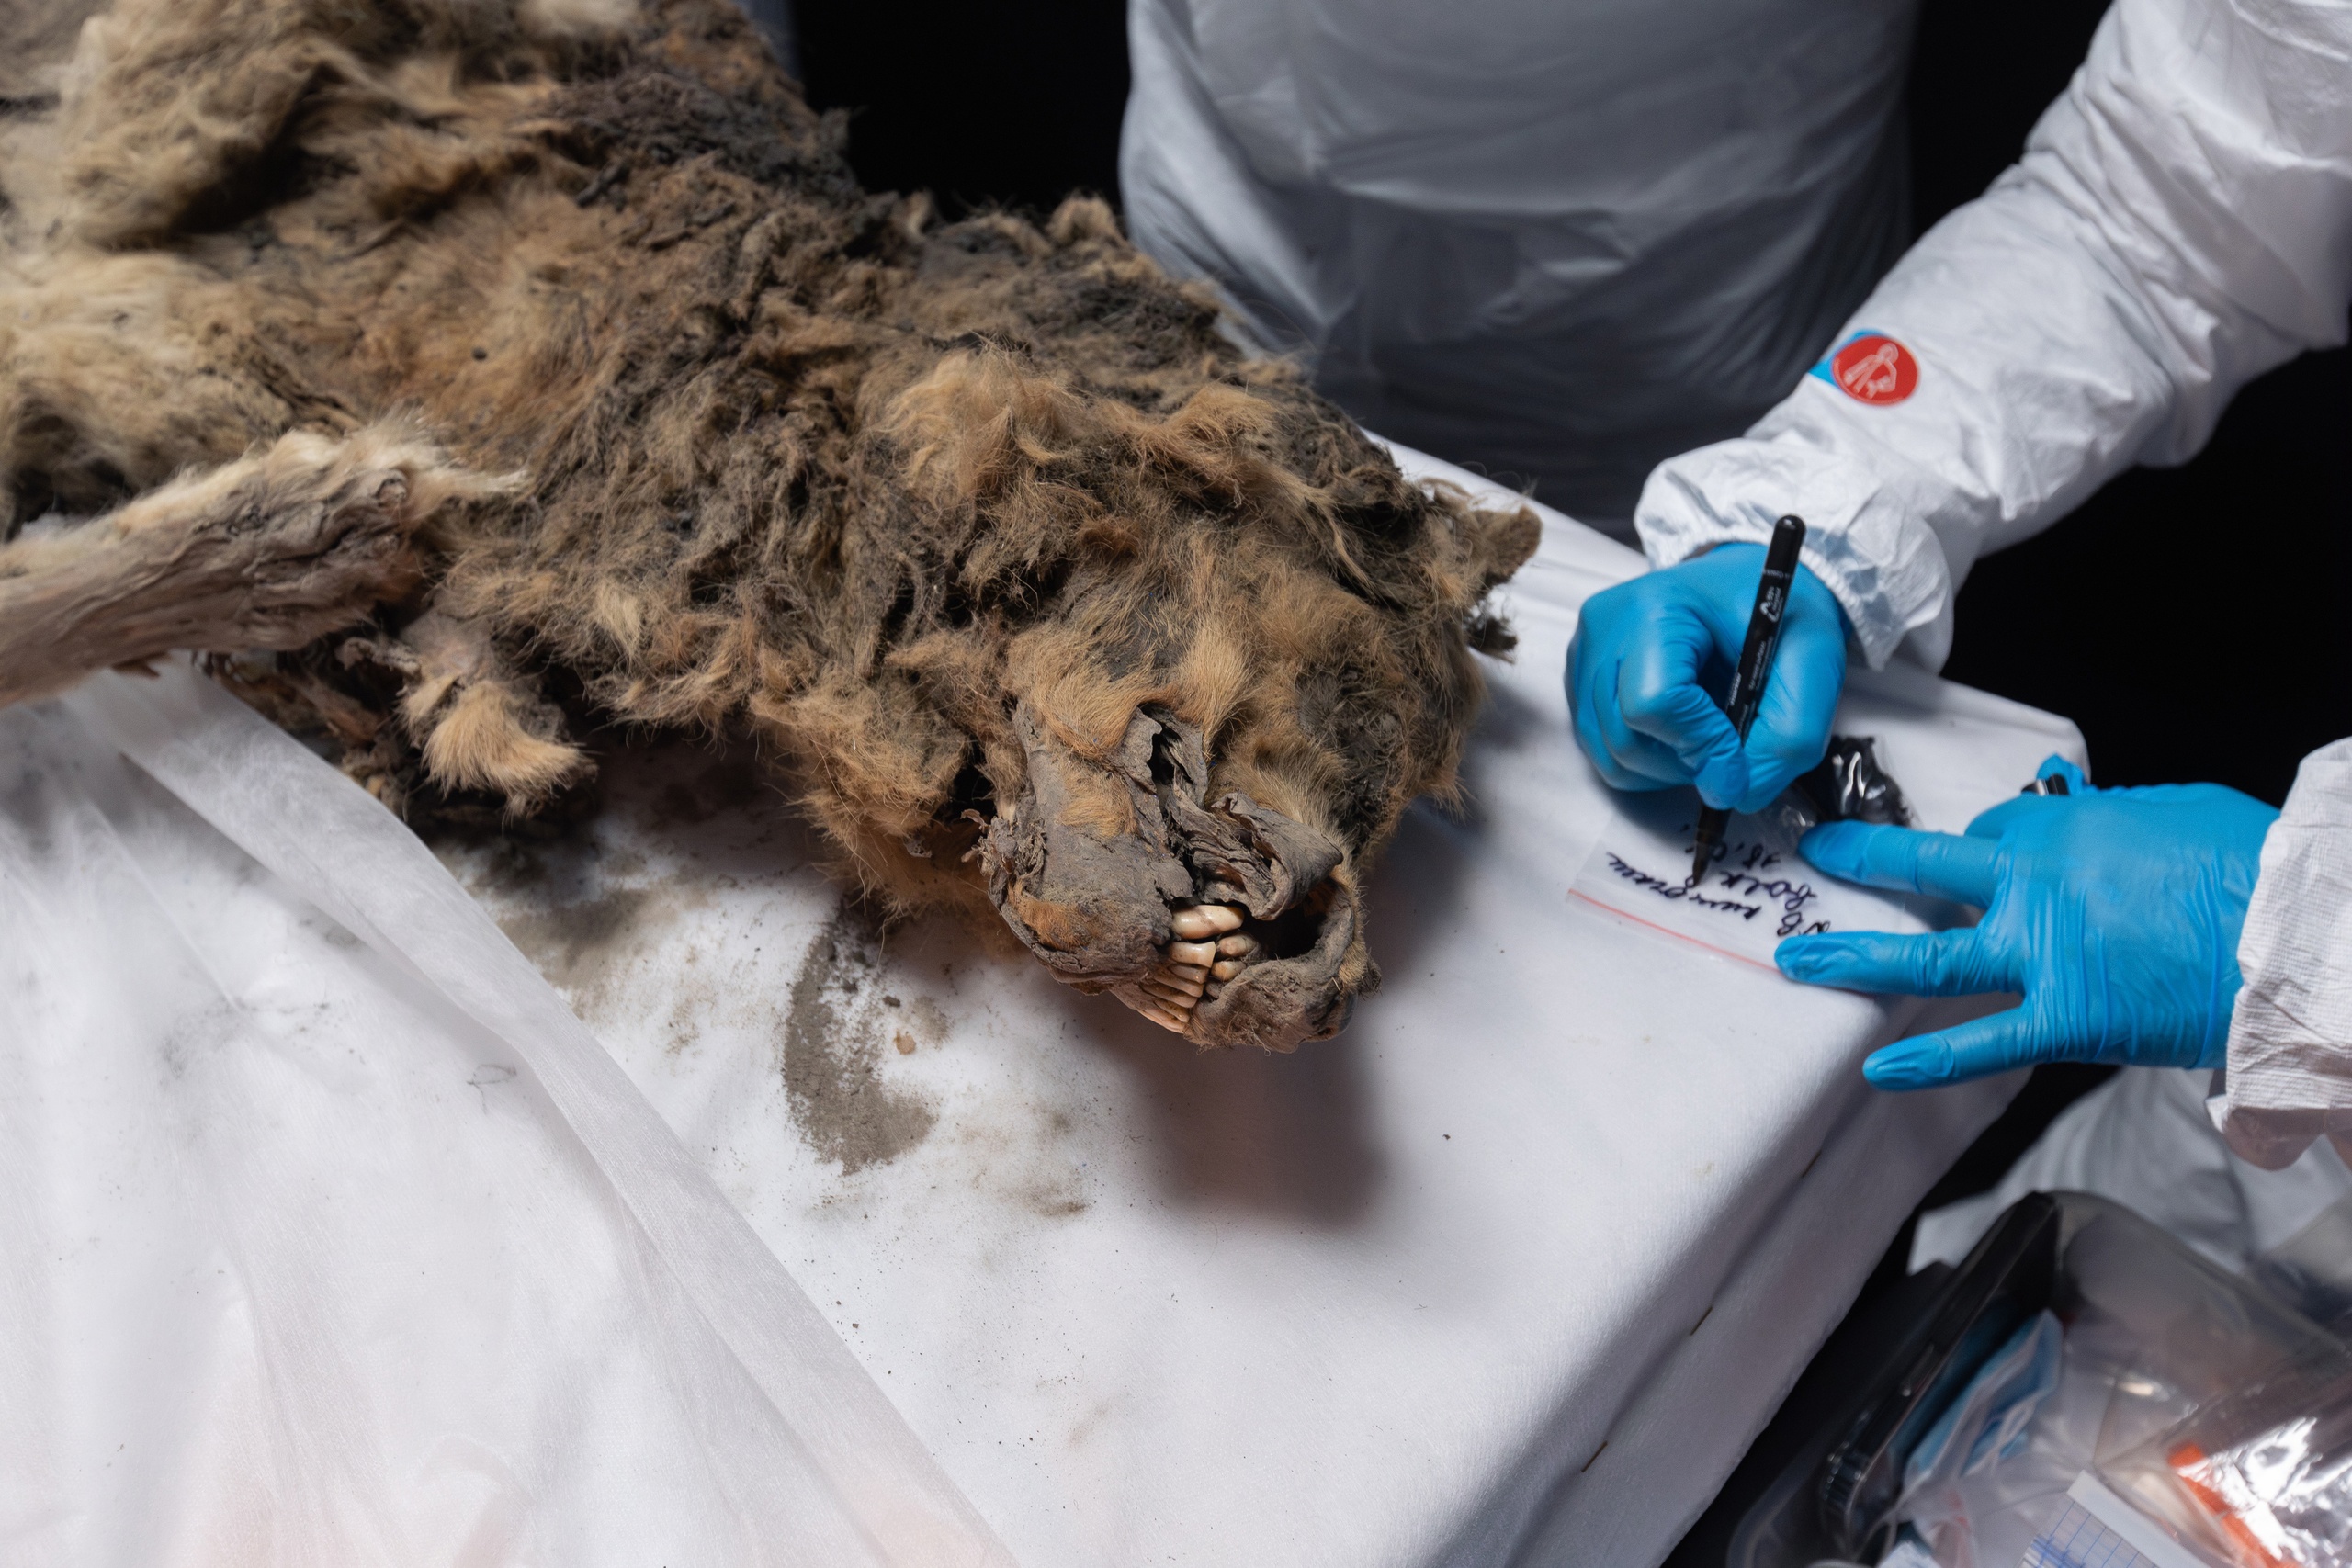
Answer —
(1753, 673)
(2116, 913)
(1642, 649)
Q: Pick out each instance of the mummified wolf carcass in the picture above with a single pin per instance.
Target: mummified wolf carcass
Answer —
(473, 355)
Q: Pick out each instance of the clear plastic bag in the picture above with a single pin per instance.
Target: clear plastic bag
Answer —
(2312, 1270)
(2155, 1334)
(336, 1237)
(2261, 1478)
(1987, 1423)
(2156, 1340)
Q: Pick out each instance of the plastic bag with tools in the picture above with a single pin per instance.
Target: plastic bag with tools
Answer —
(1975, 1446)
(2261, 1478)
(2161, 1345)
(2223, 1418)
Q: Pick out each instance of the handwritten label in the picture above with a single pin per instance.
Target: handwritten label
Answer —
(1758, 893)
(1730, 892)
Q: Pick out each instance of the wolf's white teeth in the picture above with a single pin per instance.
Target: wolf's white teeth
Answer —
(1208, 950)
(1204, 920)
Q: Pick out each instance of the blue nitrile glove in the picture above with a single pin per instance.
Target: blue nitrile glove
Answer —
(1643, 648)
(2115, 911)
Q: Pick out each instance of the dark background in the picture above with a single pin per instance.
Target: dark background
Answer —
(1006, 102)
(2186, 618)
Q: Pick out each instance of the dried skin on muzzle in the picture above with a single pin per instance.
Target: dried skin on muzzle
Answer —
(1047, 602)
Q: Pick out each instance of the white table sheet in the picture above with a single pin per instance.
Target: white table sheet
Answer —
(331, 1236)
(1510, 1272)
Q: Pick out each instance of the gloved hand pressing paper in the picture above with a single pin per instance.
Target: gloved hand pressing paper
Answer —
(1642, 649)
(2115, 912)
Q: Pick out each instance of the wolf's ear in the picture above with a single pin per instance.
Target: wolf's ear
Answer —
(1500, 543)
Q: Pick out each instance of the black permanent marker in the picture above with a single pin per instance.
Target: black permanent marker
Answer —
(1754, 669)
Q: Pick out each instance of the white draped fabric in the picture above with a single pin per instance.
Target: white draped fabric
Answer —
(333, 1235)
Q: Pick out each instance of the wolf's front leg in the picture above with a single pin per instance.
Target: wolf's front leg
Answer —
(270, 551)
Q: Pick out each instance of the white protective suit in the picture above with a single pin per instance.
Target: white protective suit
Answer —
(1555, 240)
(2180, 222)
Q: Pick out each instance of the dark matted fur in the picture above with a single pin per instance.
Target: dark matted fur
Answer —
(1045, 600)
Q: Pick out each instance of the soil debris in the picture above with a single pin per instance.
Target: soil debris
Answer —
(834, 1030)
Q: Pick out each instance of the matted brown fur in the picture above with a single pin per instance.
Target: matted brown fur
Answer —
(1047, 602)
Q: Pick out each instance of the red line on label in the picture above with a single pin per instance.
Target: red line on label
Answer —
(1669, 931)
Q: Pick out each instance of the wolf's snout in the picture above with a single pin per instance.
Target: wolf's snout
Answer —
(1220, 919)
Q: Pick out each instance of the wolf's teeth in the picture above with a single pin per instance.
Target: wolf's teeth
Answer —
(1204, 920)
(1208, 950)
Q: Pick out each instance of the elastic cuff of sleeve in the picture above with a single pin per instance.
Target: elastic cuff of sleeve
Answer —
(2274, 1137)
(1885, 567)
(2289, 1076)
(2282, 1089)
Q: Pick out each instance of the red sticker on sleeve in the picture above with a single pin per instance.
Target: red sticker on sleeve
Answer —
(1874, 369)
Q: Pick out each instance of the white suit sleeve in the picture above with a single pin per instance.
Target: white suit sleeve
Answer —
(2180, 222)
(2291, 1037)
